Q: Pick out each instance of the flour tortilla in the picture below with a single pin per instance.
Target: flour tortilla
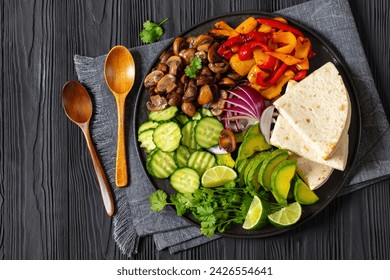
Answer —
(317, 108)
(284, 136)
(312, 173)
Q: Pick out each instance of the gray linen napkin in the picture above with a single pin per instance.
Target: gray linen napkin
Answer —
(332, 19)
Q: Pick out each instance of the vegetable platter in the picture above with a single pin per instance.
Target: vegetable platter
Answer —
(167, 148)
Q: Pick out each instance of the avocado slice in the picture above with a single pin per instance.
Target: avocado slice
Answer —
(281, 178)
(252, 144)
(268, 166)
(302, 193)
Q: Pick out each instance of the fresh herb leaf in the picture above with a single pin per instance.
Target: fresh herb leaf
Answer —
(180, 207)
(195, 65)
(152, 31)
(158, 200)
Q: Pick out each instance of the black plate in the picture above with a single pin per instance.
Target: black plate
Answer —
(324, 53)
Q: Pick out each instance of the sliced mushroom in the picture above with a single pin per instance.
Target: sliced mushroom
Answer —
(187, 55)
(204, 80)
(174, 63)
(202, 39)
(179, 44)
(167, 84)
(226, 82)
(174, 99)
(212, 54)
(184, 79)
(217, 107)
(165, 55)
(227, 140)
(188, 108)
(204, 47)
(191, 91)
(162, 67)
(180, 89)
(223, 94)
(202, 55)
(205, 95)
(205, 71)
(190, 40)
(234, 76)
(219, 67)
(156, 103)
(153, 78)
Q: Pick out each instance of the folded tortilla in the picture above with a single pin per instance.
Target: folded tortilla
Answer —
(317, 109)
(312, 173)
(284, 136)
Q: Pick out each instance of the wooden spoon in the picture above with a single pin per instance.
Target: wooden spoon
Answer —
(119, 72)
(78, 107)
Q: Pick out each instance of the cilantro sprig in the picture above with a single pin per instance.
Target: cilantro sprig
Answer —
(215, 208)
(195, 65)
(152, 31)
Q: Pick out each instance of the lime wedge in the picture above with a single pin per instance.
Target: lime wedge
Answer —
(218, 176)
(286, 216)
(257, 214)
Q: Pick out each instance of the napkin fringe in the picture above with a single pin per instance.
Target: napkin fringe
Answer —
(124, 232)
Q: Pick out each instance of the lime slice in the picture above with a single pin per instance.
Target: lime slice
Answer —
(257, 214)
(218, 176)
(286, 216)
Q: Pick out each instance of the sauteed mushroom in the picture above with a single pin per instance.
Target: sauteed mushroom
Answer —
(174, 63)
(179, 44)
(167, 84)
(153, 78)
(156, 103)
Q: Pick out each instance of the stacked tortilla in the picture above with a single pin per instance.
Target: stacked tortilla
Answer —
(313, 122)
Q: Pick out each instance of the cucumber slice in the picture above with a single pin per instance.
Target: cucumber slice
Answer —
(163, 115)
(188, 138)
(182, 154)
(167, 136)
(201, 161)
(146, 140)
(161, 164)
(182, 119)
(147, 125)
(185, 180)
(207, 132)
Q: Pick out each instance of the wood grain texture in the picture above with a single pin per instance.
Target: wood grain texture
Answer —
(50, 206)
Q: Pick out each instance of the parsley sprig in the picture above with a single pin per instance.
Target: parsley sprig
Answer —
(195, 65)
(215, 208)
(152, 31)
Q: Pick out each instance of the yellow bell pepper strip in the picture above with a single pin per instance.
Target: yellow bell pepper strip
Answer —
(275, 90)
(241, 67)
(265, 28)
(288, 59)
(302, 47)
(288, 40)
(279, 25)
(247, 26)
(223, 32)
(304, 65)
(223, 25)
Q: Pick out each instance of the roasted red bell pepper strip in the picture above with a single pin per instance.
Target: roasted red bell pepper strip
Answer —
(224, 51)
(277, 73)
(271, 80)
(261, 81)
(279, 25)
(269, 64)
(300, 75)
(246, 50)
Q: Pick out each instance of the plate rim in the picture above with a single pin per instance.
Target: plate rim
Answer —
(346, 73)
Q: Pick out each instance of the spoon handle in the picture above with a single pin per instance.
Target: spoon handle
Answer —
(105, 189)
(121, 164)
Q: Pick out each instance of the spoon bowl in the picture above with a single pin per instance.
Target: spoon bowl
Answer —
(119, 73)
(77, 105)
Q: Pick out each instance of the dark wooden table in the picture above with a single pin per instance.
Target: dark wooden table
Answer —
(50, 207)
